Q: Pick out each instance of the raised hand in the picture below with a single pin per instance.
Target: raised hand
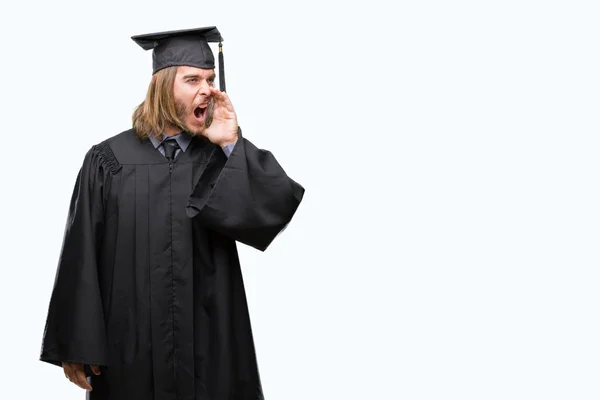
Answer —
(224, 127)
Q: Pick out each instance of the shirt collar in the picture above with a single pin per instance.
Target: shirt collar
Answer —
(183, 140)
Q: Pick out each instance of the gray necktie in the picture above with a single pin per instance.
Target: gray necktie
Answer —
(170, 146)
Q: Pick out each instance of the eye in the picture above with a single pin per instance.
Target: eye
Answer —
(192, 80)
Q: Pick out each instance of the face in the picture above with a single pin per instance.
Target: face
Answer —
(193, 101)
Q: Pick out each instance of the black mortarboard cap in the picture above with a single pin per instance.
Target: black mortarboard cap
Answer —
(187, 47)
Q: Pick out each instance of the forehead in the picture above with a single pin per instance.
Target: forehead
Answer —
(184, 71)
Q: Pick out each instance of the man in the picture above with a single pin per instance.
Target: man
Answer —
(148, 300)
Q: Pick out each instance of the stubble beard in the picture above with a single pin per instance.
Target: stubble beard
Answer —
(183, 111)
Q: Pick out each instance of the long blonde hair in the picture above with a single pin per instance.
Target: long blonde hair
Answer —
(158, 109)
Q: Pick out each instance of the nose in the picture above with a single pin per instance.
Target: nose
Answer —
(204, 89)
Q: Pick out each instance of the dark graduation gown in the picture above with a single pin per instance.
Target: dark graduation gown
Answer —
(149, 284)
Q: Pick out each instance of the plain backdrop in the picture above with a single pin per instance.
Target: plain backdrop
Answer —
(447, 245)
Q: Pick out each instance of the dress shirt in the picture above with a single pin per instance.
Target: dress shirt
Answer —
(183, 140)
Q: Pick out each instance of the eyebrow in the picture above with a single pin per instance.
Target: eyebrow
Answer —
(213, 76)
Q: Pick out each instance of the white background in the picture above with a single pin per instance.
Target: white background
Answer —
(447, 245)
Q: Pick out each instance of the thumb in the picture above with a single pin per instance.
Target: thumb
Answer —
(95, 369)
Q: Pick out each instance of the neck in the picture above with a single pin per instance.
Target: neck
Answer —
(171, 130)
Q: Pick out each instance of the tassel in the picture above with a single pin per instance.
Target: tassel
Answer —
(221, 69)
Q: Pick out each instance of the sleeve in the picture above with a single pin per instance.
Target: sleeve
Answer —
(75, 330)
(249, 199)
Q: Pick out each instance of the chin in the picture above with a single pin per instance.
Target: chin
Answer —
(196, 133)
(194, 129)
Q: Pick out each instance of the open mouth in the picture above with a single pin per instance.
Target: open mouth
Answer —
(200, 113)
(204, 113)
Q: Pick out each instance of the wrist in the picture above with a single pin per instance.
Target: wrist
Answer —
(227, 142)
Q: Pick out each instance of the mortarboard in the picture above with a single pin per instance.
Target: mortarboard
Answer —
(187, 47)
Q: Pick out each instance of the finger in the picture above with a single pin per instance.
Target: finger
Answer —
(218, 95)
(95, 369)
(227, 102)
(76, 374)
(70, 376)
(81, 380)
(214, 92)
(68, 371)
(222, 102)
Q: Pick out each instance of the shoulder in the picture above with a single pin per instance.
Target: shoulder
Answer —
(119, 139)
(103, 152)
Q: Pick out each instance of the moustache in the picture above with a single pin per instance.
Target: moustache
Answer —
(209, 112)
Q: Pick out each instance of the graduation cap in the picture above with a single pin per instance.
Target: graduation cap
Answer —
(187, 47)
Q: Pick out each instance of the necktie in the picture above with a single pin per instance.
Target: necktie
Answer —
(170, 146)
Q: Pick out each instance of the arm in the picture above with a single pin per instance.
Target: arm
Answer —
(75, 330)
(247, 196)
